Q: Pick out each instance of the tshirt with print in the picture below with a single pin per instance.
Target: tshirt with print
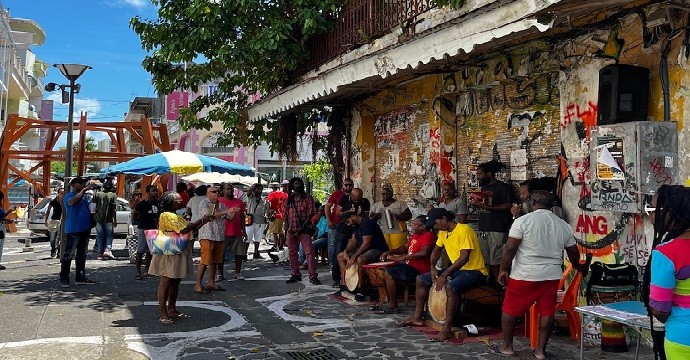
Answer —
(149, 212)
(496, 221)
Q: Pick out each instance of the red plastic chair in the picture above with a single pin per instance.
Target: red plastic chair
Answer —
(566, 302)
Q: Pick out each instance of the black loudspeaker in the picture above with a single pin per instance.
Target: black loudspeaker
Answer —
(623, 94)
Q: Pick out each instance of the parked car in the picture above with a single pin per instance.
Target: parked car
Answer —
(37, 215)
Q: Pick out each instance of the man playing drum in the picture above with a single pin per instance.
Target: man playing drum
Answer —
(467, 268)
(364, 247)
(413, 260)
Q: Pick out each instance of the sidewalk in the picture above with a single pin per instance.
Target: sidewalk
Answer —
(258, 318)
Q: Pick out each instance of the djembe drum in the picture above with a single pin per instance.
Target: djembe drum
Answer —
(352, 277)
(437, 304)
(376, 273)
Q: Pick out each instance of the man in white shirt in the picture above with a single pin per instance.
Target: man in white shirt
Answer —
(531, 269)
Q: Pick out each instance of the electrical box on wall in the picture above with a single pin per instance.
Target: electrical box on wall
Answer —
(630, 161)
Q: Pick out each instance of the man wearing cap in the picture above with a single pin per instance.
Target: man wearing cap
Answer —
(77, 231)
(467, 268)
(366, 245)
(276, 200)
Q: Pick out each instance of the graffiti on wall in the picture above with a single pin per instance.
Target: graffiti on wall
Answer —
(522, 121)
(583, 117)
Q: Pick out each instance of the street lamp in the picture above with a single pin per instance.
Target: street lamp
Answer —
(72, 72)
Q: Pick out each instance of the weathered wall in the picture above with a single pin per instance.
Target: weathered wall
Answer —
(612, 236)
(524, 107)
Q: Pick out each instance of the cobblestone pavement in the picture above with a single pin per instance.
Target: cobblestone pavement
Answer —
(258, 318)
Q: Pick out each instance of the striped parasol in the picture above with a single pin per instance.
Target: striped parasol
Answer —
(177, 162)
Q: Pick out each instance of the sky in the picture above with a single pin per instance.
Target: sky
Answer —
(95, 33)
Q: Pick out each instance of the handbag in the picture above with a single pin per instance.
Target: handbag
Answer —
(308, 229)
(166, 243)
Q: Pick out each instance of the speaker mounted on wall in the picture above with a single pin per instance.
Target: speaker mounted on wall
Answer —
(623, 94)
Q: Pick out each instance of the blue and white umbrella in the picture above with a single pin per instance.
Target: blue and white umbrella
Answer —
(177, 162)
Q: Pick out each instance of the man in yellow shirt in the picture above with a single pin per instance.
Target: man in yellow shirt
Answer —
(466, 271)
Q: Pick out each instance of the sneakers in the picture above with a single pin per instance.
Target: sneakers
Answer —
(239, 277)
(315, 281)
(99, 257)
(293, 279)
(84, 281)
(341, 288)
(360, 297)
(53, 253)
(108, 255)
(336, 284)
(273, 257)
(64, 283)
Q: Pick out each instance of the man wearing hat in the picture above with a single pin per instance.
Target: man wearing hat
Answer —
(466, 271)
(77, 231)
(365, 246)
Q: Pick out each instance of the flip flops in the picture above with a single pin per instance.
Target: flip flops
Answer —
(201, 291)
(387, 310)
(494, 349)
(165, 321)
(180, 316)
(216, 288)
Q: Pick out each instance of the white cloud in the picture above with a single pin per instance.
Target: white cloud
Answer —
(139, 4)
(91, 106)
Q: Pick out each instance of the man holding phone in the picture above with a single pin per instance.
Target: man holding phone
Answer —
(77, 231)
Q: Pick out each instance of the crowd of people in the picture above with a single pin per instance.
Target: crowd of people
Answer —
(517, 245)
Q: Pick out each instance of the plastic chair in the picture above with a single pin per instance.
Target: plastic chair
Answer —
(566, 302)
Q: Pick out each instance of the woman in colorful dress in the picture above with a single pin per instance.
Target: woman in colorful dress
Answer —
(173, 268)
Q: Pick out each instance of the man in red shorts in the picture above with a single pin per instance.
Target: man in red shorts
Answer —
(531, 269)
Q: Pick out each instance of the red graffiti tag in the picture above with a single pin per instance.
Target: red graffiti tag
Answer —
(660, 175)
(587, 224)
(588, 115)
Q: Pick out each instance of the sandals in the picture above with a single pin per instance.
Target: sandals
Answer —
(387, 310)
(216, 288)
(180, 316)
(201, 291)
(494, 349)
(165, 321)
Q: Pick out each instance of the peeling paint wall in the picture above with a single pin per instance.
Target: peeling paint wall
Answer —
(613, 237)
(524, 107)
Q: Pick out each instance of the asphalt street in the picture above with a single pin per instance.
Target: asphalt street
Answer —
(261, 317)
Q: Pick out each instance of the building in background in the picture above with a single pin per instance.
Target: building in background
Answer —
(21, 84)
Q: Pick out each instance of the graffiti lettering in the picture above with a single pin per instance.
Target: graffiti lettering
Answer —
(659, 171)
(587, 224)
(587, 115)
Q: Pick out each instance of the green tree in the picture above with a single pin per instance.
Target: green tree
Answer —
(245, 47)
(320, 176)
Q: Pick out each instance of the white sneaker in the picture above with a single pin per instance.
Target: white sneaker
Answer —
(239, 277)
(108, 254)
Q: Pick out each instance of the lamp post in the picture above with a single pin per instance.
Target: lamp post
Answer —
(72, 72)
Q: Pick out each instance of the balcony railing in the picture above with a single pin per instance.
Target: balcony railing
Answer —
(360, 22)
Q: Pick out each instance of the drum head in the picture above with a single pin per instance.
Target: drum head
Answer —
(382, 264)
(352, 277)
(437, 304)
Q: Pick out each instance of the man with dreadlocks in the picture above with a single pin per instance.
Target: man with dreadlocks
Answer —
(494, 214)
(668, 277)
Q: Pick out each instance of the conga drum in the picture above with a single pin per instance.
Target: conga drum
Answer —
(376, 272)
(437, 304)
(352, 277)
